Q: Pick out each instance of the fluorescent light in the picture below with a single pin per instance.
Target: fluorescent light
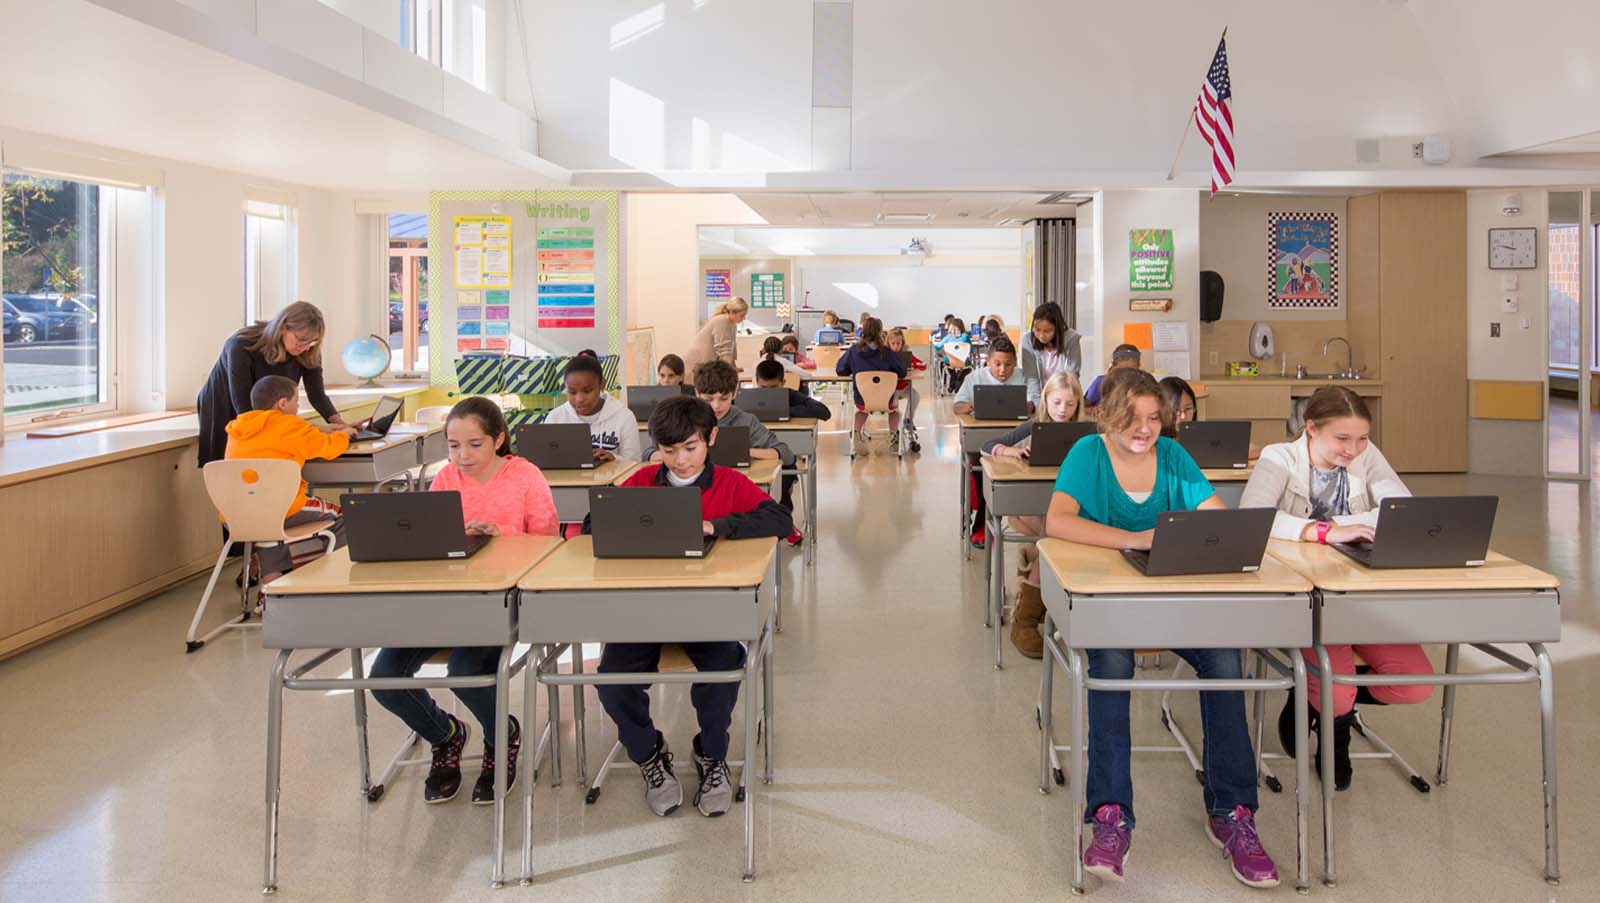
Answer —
(904, 217)
(793, 250)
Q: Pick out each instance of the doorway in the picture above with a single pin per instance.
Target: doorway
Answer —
(1572, 230)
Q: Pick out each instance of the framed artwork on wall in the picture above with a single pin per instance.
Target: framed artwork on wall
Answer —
(1303, 261)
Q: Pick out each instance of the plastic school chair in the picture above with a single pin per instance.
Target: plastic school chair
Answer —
(877, 396)
(791, 380)
(431, 416)
(251, 494)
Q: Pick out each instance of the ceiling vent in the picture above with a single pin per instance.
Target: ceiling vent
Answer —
(1060, 197)
(899, 219)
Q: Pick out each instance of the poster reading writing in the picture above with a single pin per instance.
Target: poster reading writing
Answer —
(1150, 260)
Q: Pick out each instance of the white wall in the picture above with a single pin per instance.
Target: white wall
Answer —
(911, 295)
(1233, 241)
(1117, 212)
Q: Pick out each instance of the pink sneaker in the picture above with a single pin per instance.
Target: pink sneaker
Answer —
(1108, 851)
(1235, 833)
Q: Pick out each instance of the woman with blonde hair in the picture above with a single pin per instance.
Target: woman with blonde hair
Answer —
(715, 341)
(288, 345)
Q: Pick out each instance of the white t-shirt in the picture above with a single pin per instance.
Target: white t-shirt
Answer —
(675, 480)
(611, 429)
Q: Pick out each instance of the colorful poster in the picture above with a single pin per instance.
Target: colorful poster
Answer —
(1150, 260)
(719, 283)
(483, 251)
(497, 297)
(495, 344)
(469, 344)
(766, 289)
(1302, 261)
(565, 260)
(498, 327)
(469, 327)
(469, 312)
(497, 312)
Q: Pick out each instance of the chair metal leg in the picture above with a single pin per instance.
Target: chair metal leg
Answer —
(1046, 694)
(749, 872)
(578, 723)
(1080, 706)
(1330, 876)
(502, 743)
(191, 643)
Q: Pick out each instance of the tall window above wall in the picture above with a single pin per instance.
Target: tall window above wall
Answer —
(465, 40)
(269, 259)
(407, 302)
(58, 238)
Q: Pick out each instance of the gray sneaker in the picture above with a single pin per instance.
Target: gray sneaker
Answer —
(661, 788)
(715, 795)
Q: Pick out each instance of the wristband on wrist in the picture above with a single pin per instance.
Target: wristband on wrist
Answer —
(1322, 531)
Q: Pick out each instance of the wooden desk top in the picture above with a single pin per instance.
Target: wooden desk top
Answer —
(732, 563)
(795, 423)
(1093, 570)
(496, 567)
(968, 421)
(762, 471)
(820, 377)
(608, 474)
(1228, 474)
(1330, 570)
(1016, 470)
(373, 445)
(412, 428)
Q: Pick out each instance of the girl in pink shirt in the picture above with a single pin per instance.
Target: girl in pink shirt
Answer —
(500, 495)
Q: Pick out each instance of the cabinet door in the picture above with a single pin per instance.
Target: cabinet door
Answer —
(1423, 335)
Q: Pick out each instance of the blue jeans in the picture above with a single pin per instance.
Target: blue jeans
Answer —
(629, 704)
(417, 709)
(1227, 756)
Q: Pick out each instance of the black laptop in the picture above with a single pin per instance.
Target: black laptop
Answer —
(732, 448)
(1000, 402)
(407, 526)
(648, 522)
(1428, 532)
(642, 400)
(1217, 444)
(556, 446)
(383, 415)
(769, 405)
(906, 358)
(1213, 541)
(1052, 441)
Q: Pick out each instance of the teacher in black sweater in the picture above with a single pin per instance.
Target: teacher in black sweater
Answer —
(290, 344)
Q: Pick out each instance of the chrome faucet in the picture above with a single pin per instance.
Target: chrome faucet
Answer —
(1349, 371)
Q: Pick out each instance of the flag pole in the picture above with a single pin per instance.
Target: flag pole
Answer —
(1173, 169)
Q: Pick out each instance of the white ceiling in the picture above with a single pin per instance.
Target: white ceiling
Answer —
(780, 241)
(871, 208)
(81, 72)
(1577, 144)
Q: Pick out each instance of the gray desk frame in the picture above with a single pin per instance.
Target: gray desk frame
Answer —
(368, 469)
(972, 439)
(1076, 622)
(1484, 619)
(1006, 498)
(741, 614)
(356, 621)
(804, 444)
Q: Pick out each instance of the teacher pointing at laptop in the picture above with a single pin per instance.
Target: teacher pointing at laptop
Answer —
(289, 345)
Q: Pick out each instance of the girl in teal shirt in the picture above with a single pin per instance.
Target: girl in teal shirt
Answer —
(1109, 492)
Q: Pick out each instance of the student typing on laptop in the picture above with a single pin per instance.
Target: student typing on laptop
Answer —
(683, 430)
(501, 494)
(999, 369)
(1326, 485)
(1110, 493)
(612, 429)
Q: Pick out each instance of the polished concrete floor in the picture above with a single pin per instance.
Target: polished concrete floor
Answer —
(906, 765)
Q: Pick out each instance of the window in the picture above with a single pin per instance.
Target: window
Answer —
(58, 278)
(1565, 290)
(416, 27)
(407, 301)
(465, 43)
(269, 272)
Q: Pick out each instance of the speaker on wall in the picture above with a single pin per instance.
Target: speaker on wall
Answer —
(1210, 296)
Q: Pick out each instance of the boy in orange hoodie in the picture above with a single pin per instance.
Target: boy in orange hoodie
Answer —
(274, 429)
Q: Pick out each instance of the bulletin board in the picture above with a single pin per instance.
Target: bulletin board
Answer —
(533, 273)
(766, 290)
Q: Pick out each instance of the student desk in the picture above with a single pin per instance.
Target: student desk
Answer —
(800, 434)
(1229, 482)
(974, 433)
(334, 604)
(1094, 599)
(764, 472)
(431, 446)
(573, 597)
(1504, 601)
(368, 464)
(571, 487)
(1011, 488)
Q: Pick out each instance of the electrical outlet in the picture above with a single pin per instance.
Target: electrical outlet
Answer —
(1494, 330)
(1211, 358)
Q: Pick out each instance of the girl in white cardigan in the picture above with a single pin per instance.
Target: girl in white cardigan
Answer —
(1326, 485)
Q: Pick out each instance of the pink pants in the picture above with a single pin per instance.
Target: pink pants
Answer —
(1384, 659)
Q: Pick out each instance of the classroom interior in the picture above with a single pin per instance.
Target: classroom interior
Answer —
(472, 192)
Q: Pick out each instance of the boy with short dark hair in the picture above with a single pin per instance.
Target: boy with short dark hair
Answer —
(999, 369)
(275, 429)
(683, 430)
(769, 375)
(1122, 357)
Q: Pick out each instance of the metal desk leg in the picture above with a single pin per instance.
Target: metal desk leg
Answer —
(767, 716)
(553, 719)
(358, 671)
(1077, 670)
(1547, 746)
(1452, 659)
(1302, 775)
(810, 554)
(578, 723)
(997, 579)
(502, 742)
(269, 865)
(1046, 692)
(777, 587)
(1330, 876)
(530, 685)
(749, 872)
(966, 502)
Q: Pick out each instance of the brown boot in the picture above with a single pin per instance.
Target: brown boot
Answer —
(1025, 619)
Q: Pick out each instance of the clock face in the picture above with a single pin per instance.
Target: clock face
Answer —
(1513, 249)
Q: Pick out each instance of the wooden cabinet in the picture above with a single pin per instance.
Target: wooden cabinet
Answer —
(1407, 277)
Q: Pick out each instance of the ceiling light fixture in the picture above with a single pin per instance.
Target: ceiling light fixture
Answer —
(905, 217)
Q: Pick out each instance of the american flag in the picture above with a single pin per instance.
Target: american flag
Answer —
(1213, 115)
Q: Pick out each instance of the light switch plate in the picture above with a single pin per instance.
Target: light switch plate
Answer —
(1524, 323)
(1508, 281)
(1510, 304)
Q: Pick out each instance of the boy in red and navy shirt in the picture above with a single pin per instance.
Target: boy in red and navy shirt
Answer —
(733, 508)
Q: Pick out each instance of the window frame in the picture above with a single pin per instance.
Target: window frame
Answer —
(412, 364)
(268, 211)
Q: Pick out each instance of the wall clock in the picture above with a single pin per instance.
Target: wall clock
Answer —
(1514, 248)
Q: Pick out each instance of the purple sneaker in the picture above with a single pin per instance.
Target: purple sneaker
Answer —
(1108, 851)
(1236, 835)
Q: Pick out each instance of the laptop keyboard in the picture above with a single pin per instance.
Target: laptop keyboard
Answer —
(1139, 558)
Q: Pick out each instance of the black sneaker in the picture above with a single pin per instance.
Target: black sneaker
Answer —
(483, 790)
(444, 776)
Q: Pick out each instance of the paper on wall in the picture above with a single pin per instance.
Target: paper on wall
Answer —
(1171, 336)
(469, 266)
(1172, 363)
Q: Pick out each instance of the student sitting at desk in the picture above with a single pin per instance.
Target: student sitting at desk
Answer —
(769, 375)
(1123, 357)
(1109, 493)
(999, 369)
(1326, 485)
(612, 430)
(791, 345)
(1062, 401)
(1186, 408)
(683, 430)
(501, 494)
(275, 429)
(903, 389)
(670, 371)
(955, 369)
(872, 355)
(772, 350)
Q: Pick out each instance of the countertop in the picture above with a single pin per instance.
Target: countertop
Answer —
(1287, 381)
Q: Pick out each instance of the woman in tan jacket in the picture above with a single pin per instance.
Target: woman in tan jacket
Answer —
(715, 340)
